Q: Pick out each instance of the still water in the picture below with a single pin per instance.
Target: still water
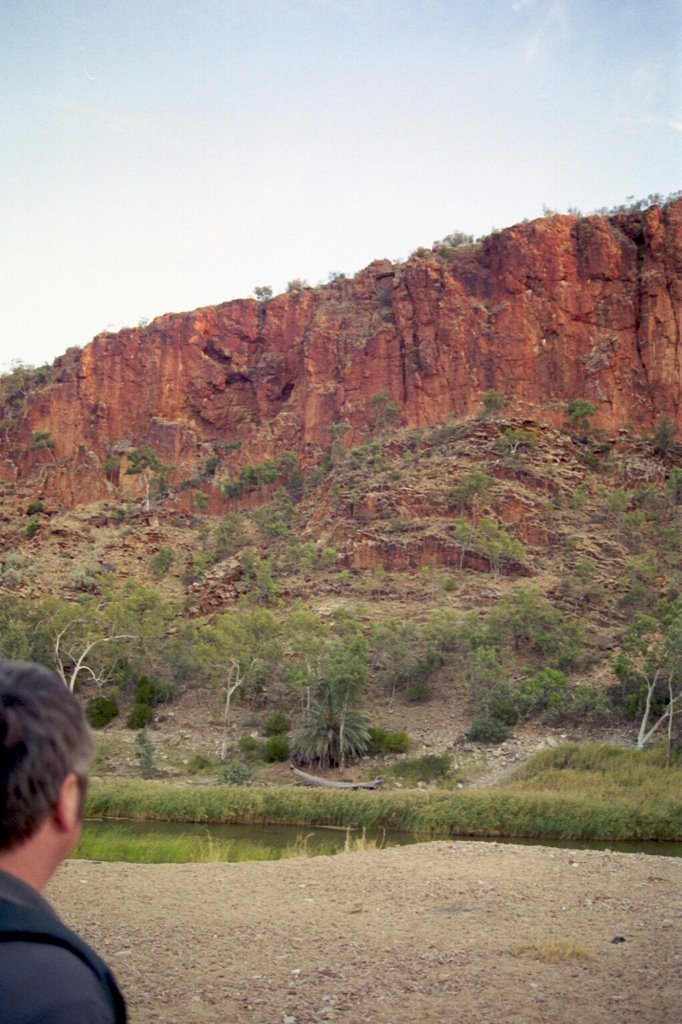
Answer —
(162, 841)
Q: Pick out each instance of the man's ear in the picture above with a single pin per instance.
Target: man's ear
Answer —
(67, 810)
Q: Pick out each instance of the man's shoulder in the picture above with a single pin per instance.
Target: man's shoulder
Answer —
(41, 946)
(42, 981)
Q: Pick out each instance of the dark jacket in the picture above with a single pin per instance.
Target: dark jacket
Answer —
(48, 975)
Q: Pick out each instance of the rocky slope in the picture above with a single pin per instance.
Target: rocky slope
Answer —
(543, 312)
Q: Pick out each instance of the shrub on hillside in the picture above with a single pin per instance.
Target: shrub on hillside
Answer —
(32, 527)
(139, 716)
(276, 748)
(428, 768)
(276, 724)
(162, 561)
(152, 692)
(100, 711)
(236, 773)
(544, 694)
(384, 741)
(486, 729)
(250, 747)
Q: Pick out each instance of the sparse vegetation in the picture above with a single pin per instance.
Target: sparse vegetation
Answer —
(665, 433)
(493, 403)
(162, 560)
(579, 413)
(32, 526)
(514, 441)
(145, 755)
(385, 741)
(553, 951)
(42, 439)
(101, 710)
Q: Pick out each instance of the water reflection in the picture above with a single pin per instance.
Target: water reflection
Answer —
(159, 842)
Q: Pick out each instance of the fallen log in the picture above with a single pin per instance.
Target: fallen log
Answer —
(315, 780)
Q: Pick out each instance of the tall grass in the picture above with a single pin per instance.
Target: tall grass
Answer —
(605, 772)
(122, 845)
(118, 843)
(589, 792)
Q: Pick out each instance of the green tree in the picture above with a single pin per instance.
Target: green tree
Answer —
(162, 561)
(579, 413)
(529, 623)
(490, 541)
(85, 644)
(263, 292)
(122, 630)
(260, 574)
(494, 402)
(130, 607)
(337, 448)
(469, 493)
(665, 432)
(499, 547)
(229, 535)
(515, 440)
(240, 651)
(23, 634)
(546, 694)
(308, 640)
(650, 664)
(395, 654)
(42, 440)
(297, 285)
(32, 526)
(466, 536)
(145, 462)
(21, 380)
(383, 410)
(455, 240)
(289, 469)
(336, 727)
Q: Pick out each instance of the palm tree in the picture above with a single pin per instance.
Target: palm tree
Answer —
(336, 728)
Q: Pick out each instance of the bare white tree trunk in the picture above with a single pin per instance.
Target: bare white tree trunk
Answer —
(78, 660)
(231, 688)
(646, 732)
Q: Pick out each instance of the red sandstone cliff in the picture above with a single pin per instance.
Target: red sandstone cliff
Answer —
(543, 312)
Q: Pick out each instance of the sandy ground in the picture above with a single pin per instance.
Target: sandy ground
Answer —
(413, 934)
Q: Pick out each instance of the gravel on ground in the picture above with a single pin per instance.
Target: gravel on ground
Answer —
(476, 933)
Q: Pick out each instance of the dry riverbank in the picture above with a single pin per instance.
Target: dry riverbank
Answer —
(412, 935)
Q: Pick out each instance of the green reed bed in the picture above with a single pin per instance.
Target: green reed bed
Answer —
(118, 844)
(569, 793)
(252, 805)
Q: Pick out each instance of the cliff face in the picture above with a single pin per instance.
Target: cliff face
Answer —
(543, 312)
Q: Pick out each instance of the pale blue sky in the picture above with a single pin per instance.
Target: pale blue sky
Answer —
(160, 155)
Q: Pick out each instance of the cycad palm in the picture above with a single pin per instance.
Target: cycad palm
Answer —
(336, 729)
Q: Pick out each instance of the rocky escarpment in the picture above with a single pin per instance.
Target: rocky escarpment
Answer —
(543, 312)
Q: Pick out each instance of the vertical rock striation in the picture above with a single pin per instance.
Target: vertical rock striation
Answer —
(543, 312)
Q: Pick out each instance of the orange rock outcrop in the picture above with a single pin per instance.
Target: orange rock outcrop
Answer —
(543, 312)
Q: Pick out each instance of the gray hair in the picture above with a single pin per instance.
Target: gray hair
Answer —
(44, 735)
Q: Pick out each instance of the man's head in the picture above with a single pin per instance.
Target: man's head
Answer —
(45, 748)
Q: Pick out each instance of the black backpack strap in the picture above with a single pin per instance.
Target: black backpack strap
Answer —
(19, 923)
